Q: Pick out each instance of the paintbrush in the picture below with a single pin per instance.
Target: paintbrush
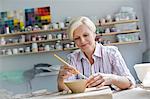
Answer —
(59, 58)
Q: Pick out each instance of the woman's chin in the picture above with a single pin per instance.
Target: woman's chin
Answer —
(85, 49)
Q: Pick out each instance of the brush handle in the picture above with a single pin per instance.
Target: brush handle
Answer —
(69, 65)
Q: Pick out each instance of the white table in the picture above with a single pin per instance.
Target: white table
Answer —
(135, 93)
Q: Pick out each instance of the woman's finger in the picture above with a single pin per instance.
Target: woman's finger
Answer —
(100, 85)
(94, 81)
(65, 74)
(90, 80)
(97, 82)
(71, 69)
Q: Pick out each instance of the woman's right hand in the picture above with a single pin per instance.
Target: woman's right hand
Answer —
(66, 71)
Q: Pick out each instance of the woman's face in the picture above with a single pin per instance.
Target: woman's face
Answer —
(84, 38)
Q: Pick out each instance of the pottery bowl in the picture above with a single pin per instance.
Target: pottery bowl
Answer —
(76, 86)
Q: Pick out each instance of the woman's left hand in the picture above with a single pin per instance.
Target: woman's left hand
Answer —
(100, 79)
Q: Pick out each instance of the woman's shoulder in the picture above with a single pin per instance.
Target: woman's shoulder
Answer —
(110, 49)
(74, 54)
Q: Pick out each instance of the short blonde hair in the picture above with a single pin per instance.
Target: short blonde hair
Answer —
(76, 22)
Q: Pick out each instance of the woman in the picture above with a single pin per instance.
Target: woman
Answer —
(103, 65)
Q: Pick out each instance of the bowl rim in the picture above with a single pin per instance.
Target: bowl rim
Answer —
(76, 80)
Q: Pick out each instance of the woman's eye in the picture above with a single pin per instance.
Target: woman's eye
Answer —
(76, 39)
(85, 35)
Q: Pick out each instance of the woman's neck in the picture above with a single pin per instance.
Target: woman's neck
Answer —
(89, 54)
(89, 57)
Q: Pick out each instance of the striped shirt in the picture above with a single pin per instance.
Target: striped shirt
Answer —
(107, 59)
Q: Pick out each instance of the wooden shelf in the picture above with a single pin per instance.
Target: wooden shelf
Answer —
(121, 43)
(30, 42)
(103, 34)
(55, 50)
(66, 49)
(31, 53)
(63, 30)
(115, 33)
(31, 32)
(119, 22)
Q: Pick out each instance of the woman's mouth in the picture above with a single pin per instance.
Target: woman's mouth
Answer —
(84, 45)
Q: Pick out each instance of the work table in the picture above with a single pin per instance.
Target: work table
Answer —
(135, 93)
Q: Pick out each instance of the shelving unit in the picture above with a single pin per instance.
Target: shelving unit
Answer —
(110, 34)
(103, 34)
(115, 33)
(119, 22)
(121, 43)
(31, 32)
(66, 39)
(56, 50)
(30, 42)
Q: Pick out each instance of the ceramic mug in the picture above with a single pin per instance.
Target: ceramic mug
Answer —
(55, 26)
(61, 25)
(15, 51)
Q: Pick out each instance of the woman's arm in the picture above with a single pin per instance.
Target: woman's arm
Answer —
(120, 77)
(101, 79)
(121, 82)
(124, 78)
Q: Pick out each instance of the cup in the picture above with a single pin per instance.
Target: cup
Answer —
(59, 36)
(27, 49)
(102, 20)
(22, 39)
(47, 48)
(21, 50)
(107, 30)
(67, 46)
(9, 52)
(15, 51)
(61, 25)
(55, 26)
(34, 47)
(50, 36)
(45, 27)
(108, 18)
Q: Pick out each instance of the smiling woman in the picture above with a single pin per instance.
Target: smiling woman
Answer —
(84, 39)
(103, 65)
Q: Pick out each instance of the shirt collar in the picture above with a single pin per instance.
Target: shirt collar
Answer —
(97, 52)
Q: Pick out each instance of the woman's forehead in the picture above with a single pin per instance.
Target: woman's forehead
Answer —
(81, 29)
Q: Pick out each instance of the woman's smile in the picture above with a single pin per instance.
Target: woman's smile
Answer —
(84, 45)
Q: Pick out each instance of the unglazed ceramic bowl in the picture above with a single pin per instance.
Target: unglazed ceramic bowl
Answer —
(76, 86)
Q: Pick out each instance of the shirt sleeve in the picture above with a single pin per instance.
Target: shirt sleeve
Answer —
(119, 65)
(71, 61)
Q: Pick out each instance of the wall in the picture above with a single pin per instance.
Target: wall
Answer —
(132, 53)
(146, 14)
(0, 5)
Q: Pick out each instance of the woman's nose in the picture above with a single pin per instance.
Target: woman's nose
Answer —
(82, 39)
